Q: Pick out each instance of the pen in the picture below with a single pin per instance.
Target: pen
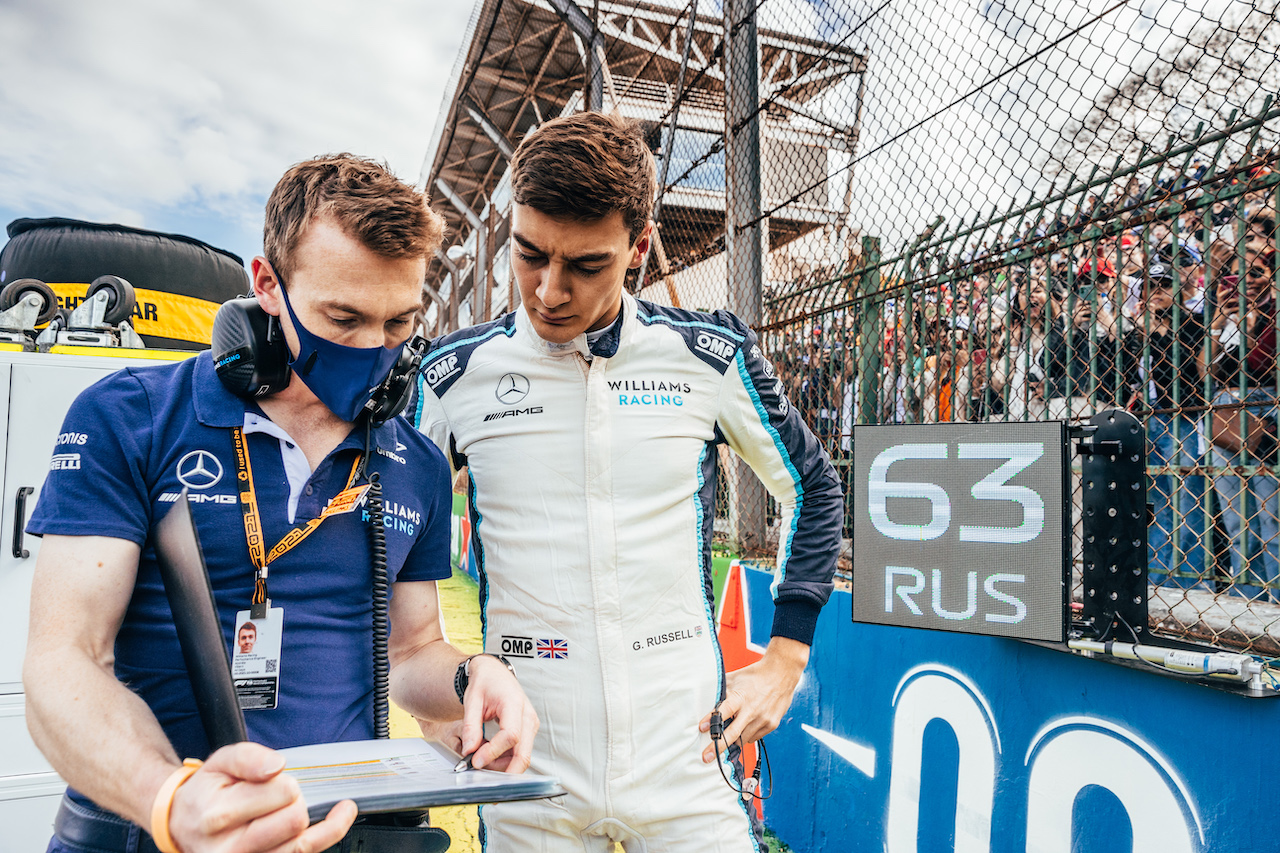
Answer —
(464, 764)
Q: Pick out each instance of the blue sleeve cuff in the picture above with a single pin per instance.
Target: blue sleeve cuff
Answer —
(796, 620)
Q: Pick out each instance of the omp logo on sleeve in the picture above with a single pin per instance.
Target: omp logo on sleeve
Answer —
(441, 369)
(714, 346)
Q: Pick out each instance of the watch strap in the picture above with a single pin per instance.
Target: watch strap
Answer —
(462, 676)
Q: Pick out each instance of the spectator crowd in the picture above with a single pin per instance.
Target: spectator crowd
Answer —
(1170, 315)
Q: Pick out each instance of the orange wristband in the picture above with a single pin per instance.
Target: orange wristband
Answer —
(163, 804)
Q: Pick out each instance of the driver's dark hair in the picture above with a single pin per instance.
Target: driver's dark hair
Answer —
(584, 167)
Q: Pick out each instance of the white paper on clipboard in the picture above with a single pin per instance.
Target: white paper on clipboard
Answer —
(401, 774)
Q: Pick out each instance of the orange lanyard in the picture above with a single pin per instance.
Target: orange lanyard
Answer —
(345, 501)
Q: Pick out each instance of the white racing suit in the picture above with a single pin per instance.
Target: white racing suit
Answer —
(592, 496)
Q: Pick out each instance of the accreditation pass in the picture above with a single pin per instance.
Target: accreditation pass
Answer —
(255, 659)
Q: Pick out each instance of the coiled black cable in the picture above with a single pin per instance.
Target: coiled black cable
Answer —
(378, 565)
(381, 622)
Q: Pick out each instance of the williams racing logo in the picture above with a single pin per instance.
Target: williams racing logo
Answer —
(667, 637)
(397, 517)
(647, 392)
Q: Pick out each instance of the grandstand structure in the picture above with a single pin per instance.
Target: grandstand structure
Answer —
(526, 61)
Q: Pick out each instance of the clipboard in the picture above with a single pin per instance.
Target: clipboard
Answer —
(379, 775)
(195, 615)
(401, 774)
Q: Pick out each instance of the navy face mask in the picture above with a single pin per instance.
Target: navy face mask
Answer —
(342, 377)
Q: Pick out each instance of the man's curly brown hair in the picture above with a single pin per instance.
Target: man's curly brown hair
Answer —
(365, 200)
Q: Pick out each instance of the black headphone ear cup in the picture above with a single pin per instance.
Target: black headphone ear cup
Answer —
(249, 351)
(396, 391)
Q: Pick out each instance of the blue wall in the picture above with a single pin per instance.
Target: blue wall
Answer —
(907, 740)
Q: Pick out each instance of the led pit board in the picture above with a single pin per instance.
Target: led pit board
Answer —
(962, 527)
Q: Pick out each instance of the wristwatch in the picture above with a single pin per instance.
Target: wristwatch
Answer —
(462, 677)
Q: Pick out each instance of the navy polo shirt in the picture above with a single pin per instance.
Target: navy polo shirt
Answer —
(128, 446)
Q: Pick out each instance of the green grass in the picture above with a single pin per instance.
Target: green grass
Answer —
(776, 845)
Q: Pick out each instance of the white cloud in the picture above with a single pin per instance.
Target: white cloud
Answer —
(142, 112)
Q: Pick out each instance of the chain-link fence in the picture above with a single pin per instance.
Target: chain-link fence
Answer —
(943, 211)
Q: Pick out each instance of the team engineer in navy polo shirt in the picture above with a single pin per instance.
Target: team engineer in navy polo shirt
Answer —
(108, 699)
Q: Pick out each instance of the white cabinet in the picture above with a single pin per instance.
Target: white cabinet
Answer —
(39, 389)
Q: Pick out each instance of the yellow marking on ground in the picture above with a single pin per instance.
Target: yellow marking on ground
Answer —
(460, 603)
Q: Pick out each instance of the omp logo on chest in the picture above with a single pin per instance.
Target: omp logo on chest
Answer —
(441, 369)
(714, 346)
(199, 470)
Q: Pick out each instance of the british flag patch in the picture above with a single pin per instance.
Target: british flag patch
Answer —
(553, 649)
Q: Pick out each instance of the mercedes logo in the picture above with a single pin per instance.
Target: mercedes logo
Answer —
(199, 469)
(512, 388)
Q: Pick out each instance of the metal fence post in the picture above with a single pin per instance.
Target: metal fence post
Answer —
(746, 233)
(869, 367)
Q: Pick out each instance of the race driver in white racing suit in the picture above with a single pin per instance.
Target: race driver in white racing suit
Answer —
(588, 422)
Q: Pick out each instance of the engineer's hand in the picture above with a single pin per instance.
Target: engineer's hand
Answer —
(240, 800)
(446, 732)
(494, 694)
(757, 696)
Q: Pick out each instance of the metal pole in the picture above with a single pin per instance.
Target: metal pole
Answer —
(746, 234)
(669, 136)
(455, 282)
(480, 285)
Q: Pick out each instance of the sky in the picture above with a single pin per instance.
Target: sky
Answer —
(179, 116)
(973, 106)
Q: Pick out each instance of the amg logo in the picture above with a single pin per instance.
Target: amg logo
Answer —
(197, 498)
(511, 413)
(715, 346)
(440, 370)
